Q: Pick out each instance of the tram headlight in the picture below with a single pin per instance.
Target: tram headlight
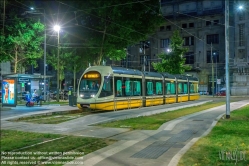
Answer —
(81, 95)
(92, 95)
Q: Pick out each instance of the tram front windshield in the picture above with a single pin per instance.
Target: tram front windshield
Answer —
(89, 85)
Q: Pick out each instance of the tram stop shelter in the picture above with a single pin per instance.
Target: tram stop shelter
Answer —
(15, 87)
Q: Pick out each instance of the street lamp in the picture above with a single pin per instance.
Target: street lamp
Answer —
(57, 28)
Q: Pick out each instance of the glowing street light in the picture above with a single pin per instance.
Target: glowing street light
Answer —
(57, 28)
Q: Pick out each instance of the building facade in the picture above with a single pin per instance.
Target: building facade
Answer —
(201, 24)
(202, 27)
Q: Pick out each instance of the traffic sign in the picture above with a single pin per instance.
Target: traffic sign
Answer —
(218, 81)
(23, 80)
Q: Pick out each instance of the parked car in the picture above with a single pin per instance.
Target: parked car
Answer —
(0, 97)
(222, 92)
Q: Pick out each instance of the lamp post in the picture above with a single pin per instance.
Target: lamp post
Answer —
(227, 59)
(216, 72)
(57, 28)
(144, 55)
(212, 59)
(45, 60)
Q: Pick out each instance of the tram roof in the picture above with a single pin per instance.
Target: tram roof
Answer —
(167, 75)
(181, 77)
(121, 70)
(192, 78)
(152, 74)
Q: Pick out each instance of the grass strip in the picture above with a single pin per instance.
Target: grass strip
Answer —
(55, 118)
(227, 144)
(153, 122)
(11, 140)
(56, 152)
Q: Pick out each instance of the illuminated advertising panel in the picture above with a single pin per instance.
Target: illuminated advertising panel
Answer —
(9, 92)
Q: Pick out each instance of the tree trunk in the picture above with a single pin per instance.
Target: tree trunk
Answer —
(15, 62)
(59, 85)
(62, 76)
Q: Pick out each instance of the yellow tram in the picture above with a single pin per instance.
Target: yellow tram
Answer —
(114, 88)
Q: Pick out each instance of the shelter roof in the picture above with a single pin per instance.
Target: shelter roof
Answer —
(34, 76)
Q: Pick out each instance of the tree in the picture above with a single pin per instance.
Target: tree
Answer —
(77, 62)
(21, 42)
(173, 61)
(114, 24)
(66, 54)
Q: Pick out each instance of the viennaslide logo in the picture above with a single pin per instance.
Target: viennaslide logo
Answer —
(232, 155)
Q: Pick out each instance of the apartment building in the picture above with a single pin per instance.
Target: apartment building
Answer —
(202, 26)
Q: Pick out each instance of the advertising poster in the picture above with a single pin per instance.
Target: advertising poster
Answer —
(8, 92)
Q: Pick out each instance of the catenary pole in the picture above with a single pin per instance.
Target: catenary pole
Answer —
(227, 59)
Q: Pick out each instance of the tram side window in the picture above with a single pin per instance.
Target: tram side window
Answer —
(172, 88)
(193, 87)
(180, 89)
(149, 88)
(137, 88)
(107, 87)
(128, 88)
(119, 88)
(185, 88)
(159, 88)
(167, 88)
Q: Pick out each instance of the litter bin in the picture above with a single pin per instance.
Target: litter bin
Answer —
(74, 99)
(72, 96)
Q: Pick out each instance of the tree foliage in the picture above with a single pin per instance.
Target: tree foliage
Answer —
(21, 42)
(113, 25)
(64, 56)
(78, 62)
(173, 61)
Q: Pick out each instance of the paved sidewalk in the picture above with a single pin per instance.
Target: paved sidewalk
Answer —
(164, 146)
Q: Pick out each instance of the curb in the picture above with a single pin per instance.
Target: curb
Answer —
(46, 113)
